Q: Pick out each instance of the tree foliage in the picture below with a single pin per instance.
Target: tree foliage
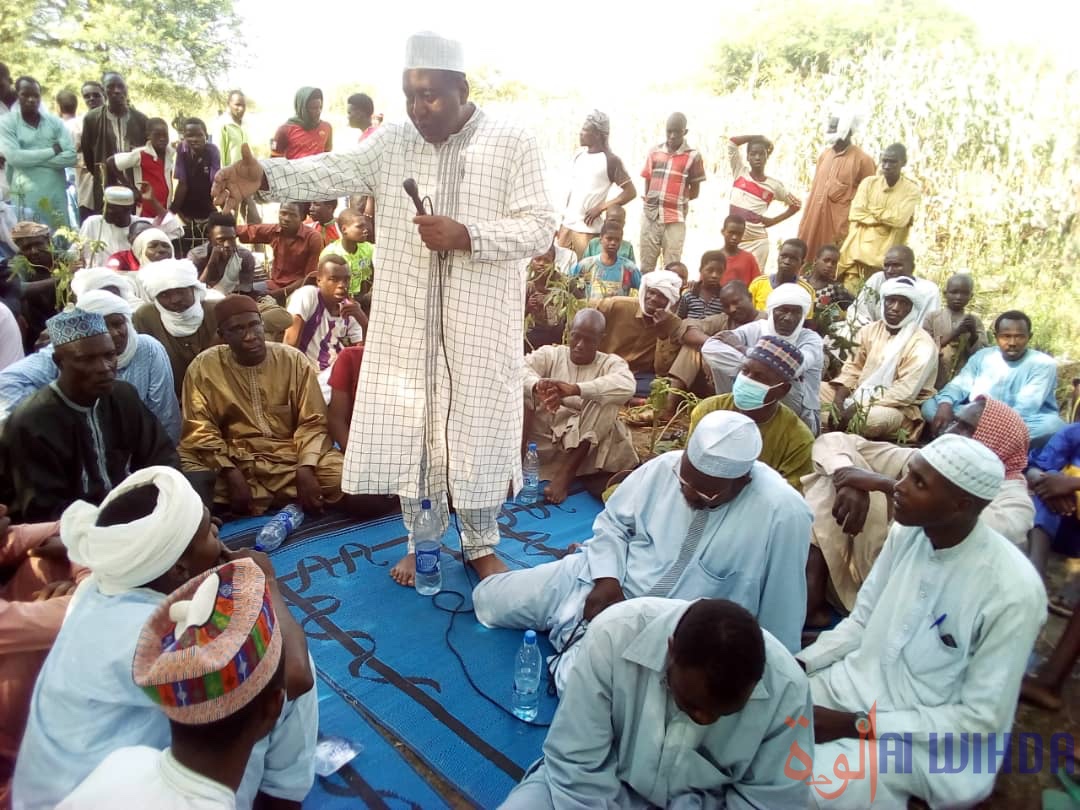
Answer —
(169, 51)
(806, 37)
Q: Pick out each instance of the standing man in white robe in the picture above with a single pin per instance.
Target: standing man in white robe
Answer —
(676, 705)
(937, 642)
(441, 381)
(708, 522)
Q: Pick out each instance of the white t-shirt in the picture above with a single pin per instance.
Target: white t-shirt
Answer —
(589, 186)
(139, 776)
(331, 333)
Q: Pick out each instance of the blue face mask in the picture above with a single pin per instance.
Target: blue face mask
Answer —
(749, 394)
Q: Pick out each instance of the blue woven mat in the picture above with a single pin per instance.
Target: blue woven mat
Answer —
(384, 649)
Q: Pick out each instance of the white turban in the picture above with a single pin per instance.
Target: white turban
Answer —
(130, 555)
(848, 122)
(172, 274)
(143, 240)
(662, 280)
(104, 303)
(98, 278)
(790, 294)
(429, 51)
(968, 464)
(725, 444)
(884, 375)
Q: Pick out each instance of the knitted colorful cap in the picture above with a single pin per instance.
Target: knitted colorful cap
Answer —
(212, 647)
(779, 355)
(75, 324)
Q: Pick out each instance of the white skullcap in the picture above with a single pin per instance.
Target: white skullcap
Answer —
(130, 555)
(119, 195)
(725, 444)
(968, 464)
(429, 51)
(662, 280)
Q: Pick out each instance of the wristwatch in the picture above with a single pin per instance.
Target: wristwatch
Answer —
(862, 725)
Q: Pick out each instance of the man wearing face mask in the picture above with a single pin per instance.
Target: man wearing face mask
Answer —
(891, 372)
(788, 307)
(710, 521)
(766, 376)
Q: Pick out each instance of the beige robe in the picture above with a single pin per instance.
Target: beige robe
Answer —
(850, 557)
(897, 406)
(606, 384)
(267, 420)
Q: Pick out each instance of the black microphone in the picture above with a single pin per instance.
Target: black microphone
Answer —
(414, 194)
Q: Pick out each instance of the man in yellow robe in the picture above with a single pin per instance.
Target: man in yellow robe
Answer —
(881, 216)
(255, 420)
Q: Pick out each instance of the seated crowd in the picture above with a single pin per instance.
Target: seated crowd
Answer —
(849, 545)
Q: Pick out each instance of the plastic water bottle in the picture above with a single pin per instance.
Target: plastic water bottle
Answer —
(281, 525)
(530, 477)
(527, 669)
(427, 540)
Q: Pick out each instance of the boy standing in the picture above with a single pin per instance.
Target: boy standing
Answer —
(741, 264)
(958, 334)
(152, 165)
(608, 274)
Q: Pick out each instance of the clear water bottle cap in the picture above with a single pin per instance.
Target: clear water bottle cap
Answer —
(425, 504)
(530, 636)
(532, 445)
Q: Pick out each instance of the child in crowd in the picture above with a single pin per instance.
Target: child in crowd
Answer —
(958, 333)
(608, 274)
(741, 264)
(321, 219)
(197, 163)
(703, 297)
(822, 278)
(151, 168)
(615, 213)
(355, 247)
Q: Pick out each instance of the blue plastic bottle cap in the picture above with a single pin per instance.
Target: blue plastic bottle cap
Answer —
(530, 636)
(425, 504)
(532, 445)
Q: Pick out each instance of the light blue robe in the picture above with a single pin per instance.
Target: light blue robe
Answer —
(35, 170)
(149, 372)
(86, 705)
(753, 551)
(619, 741)
(1028, 386)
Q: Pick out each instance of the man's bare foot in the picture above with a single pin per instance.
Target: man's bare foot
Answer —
(404, 573)
(488, 565)
(1031, 691)
(558, 487)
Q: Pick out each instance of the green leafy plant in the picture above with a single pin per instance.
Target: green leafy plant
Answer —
(659, 393)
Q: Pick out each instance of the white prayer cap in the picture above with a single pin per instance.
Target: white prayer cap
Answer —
(119, 195)
(130, 555)
(968, 464)
(725, 444)
(429, 51)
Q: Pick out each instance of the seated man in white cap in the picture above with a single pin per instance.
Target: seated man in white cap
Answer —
(82, 433)
(675, 705)
(850, 492)
(150, 536)
(140, 361)
(634, 325)
(937, 643)
(890, 374)
(710, 521)
(489, 214)
(179, 316)
(769, 370)
(219, 628)
(787, 308)
(572, 399)
(102, 235)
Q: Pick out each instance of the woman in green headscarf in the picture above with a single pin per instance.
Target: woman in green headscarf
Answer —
(305, 133)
